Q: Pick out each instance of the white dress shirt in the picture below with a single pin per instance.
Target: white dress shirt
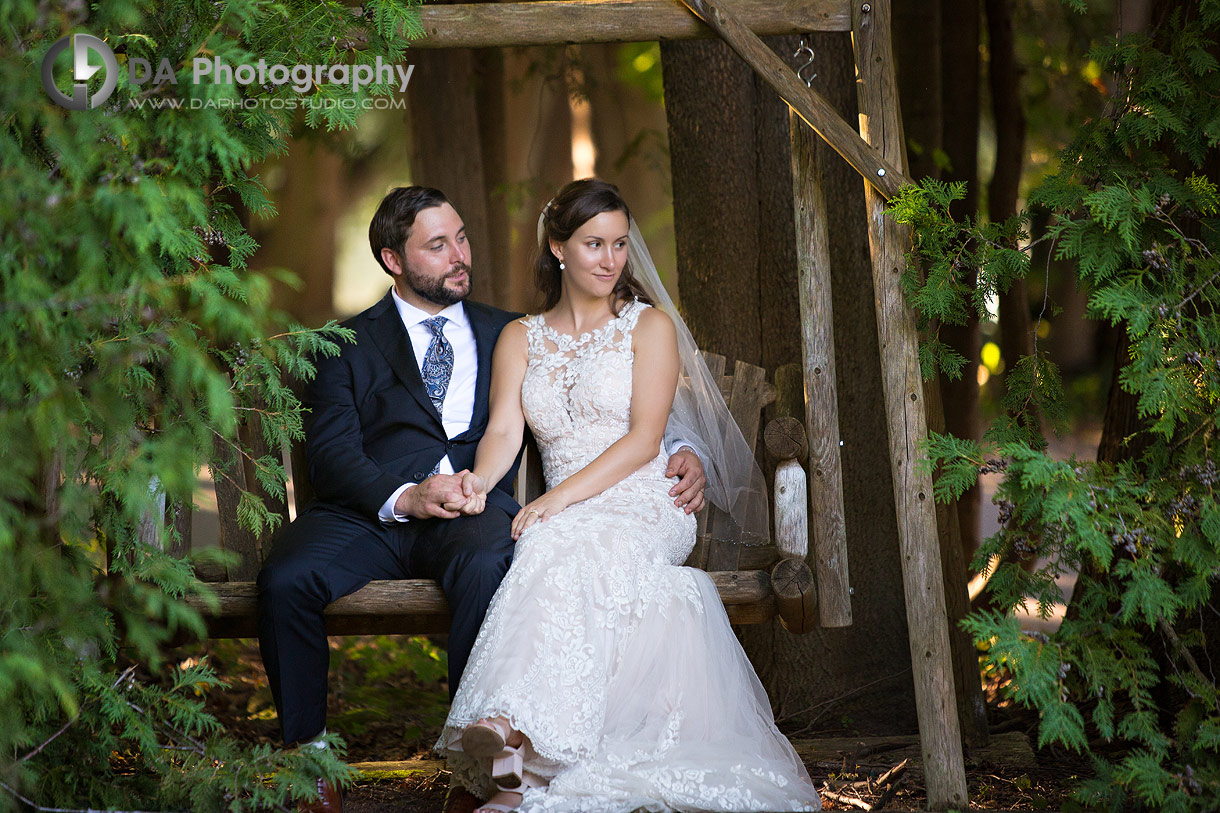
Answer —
(458, 408)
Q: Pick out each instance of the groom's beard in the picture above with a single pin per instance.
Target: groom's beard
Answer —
(435, 290)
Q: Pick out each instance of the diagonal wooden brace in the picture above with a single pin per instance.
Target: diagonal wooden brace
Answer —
(811, 106)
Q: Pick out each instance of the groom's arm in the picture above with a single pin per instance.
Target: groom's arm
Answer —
(339, 469)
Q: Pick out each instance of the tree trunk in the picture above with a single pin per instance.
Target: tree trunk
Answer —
(308, 188)
(490, 88)
(539, 128)
(921, 60)
(447, 150)
(632, 151)
(960, 138)
(1016, 336)
(733, 221)
(1073, 339)
(917, 51)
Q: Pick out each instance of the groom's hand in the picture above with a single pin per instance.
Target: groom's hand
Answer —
(688, 491)
(429, 497)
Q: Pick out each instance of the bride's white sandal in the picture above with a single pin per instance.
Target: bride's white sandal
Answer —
(489, 738)
(528, 780)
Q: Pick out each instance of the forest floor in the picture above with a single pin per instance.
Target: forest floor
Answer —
(388, 702)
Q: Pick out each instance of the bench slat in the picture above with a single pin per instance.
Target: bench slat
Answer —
(418, 606)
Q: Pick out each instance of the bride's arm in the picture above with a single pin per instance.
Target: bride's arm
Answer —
(654, 379)
(506, 423)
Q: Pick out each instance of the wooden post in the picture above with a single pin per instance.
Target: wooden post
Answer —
(796, 591)
(821, 395)
(880, 125)
(229, 479)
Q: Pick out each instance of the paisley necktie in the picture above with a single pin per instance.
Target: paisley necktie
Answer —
(437, 368)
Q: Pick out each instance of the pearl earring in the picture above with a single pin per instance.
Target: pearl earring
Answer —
(562, 266)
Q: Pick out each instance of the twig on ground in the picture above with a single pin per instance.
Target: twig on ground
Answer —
(893, 773)
(847, 800)
(893, 778)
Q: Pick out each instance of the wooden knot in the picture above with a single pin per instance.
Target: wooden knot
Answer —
(785, 439)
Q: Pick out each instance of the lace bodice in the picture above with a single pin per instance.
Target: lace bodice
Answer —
(577, 390)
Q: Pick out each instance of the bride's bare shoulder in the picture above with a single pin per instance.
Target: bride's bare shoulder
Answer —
(514, 335)
(655, 320)
(654, 329)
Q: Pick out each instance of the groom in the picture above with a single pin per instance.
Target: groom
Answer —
(392, 423)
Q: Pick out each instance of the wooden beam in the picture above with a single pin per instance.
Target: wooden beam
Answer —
(811, 106)
(902, 383)
(485, 25)
(418, 606)
(829, 554)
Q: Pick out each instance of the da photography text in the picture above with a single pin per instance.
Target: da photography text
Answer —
(301, 77)
(140, 71)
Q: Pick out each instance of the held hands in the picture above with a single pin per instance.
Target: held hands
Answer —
(444, 496)
(685, 465)
(474, 488)
(541, 509)
(434, 496)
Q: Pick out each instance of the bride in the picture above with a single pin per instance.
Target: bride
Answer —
(606, 676)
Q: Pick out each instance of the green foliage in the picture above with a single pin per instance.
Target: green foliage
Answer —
(1135, 211)
(135, 341)
(372, 677)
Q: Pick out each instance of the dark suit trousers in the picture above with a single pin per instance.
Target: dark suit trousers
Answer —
(327, 553)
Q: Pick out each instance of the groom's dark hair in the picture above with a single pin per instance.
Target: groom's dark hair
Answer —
(391, 225)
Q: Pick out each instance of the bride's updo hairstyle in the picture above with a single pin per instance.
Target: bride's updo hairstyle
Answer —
(572, 207)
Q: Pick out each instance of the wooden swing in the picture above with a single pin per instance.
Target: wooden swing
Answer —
(806, 585)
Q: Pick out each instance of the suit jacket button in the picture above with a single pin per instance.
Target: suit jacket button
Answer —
(419, 475)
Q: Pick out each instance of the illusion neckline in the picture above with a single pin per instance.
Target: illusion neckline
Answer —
(587, 335)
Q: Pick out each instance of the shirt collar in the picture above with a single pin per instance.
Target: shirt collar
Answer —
(412, 315)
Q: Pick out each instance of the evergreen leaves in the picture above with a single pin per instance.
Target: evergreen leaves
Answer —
(136, 341)
(1133, 208)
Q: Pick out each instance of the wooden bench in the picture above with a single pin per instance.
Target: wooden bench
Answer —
(755, 582)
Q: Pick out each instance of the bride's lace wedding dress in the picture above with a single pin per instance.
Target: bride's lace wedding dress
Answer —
(617, 663)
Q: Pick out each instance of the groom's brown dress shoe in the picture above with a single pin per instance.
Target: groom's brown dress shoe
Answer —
(460, 800)
(331, 801)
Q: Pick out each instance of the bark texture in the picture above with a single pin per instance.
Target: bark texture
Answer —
(733, 220)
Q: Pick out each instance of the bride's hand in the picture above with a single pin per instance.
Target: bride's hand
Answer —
(540, 510)
(474, 505)
(474, 488)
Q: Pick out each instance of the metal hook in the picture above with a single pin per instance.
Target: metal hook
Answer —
(805, 49)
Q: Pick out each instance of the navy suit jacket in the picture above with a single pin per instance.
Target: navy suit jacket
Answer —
(372, 427)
